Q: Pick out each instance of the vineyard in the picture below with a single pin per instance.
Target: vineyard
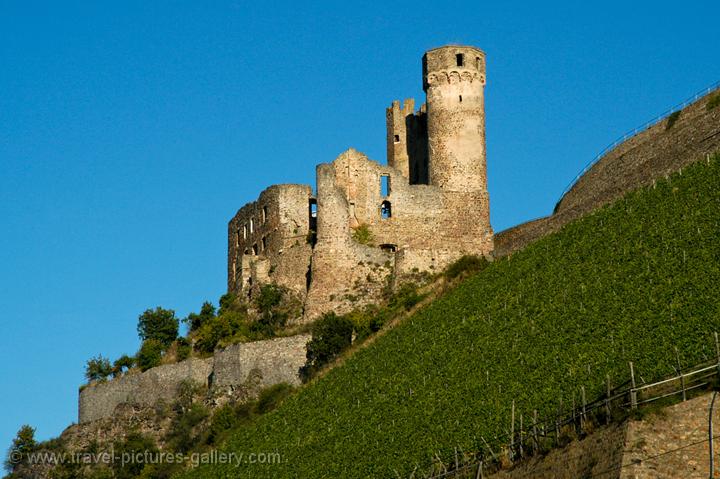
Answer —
(631, 282)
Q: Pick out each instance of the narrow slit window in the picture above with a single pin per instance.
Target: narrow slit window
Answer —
(384, 185)
(460, 60)
(385, 210)
(263, 244)
(478, 63)
(460, 98)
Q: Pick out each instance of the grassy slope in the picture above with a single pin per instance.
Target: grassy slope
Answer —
(630, 282)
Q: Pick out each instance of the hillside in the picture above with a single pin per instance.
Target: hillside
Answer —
(629, 282)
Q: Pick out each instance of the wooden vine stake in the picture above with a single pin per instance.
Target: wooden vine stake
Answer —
(607, 400)
(535, 431)
(512, 428)
(680, 374)
(633, 392)
(717, 350)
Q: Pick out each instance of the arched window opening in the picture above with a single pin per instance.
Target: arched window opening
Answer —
(264, 214)
(385, 210)
(252, 225)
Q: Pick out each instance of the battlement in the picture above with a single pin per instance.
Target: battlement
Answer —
(452, 64)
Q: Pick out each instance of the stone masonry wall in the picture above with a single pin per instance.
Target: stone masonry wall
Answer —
(644, 158)
(99, 400)
(255, 365)
(268, 241)
(669, 444)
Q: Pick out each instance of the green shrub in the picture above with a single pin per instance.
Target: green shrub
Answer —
(122, 364)
(230, 302)
(150, 354)
(405, 298)
(363, 235)
(466, 266)
(159, 324)
(134, 443)
(713, 102)
(185, 433)
(331, 335)
(194, 321)
(672, 119)
(98, 368)
(270, 398)
(367, 321)
(183, 349)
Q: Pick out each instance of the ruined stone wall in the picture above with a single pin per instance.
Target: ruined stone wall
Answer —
(433, 225)
(345, 274)
(99, 400)
(247, 365)
(644, 158)
(268, 241)
(407, 144)
(669, 444)
(420, 216)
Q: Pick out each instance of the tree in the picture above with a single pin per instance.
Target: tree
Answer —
(158, 324)
(331, 335)
(22, 446)
(98, 368)
(150, 354)
(194, 321)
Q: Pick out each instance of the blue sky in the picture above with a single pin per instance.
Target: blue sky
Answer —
(130, 133)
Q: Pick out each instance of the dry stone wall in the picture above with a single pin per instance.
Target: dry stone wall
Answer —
(669, 444)
(247, 365)
(653, 154)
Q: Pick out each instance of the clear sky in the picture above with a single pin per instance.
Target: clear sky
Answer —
(131, 132)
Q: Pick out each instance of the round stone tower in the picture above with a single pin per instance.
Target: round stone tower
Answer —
(454, 82)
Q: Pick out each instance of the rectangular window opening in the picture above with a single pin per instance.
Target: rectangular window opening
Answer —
(384, 185)
(397, 138)
(460, 60)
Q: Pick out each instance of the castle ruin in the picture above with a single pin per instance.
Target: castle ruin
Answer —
(372, 226)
